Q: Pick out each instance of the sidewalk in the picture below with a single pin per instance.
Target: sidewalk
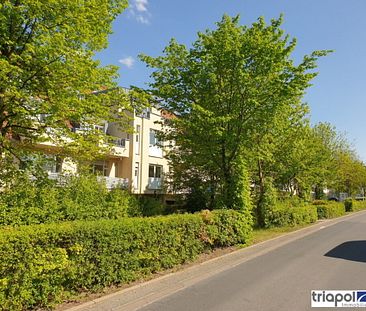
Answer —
(140, 295)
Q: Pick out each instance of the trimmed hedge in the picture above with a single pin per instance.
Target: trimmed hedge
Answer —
(320, 202)
(348, 205)
(41, 265)
(30, 202)
(354, 206)
(281, 216)
(331, 210)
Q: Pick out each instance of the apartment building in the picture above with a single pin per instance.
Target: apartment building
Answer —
(137, 160)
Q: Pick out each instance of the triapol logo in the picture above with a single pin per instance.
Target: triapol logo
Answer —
(361, 296)
(338, 298)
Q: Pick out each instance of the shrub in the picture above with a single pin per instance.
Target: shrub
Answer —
(83, 197)
(266, 201)
(80, 198)
(348, 205)
(283, 215)
(358, 205)
(44, 264)
(121, 204)
(29, 202)
(196, 200)
(331, 210)
(226, 227)
(320, 202)
(151, 206)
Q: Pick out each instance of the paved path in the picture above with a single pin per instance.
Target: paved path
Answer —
(274, 275)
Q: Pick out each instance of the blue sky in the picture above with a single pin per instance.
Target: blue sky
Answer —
(338, 93)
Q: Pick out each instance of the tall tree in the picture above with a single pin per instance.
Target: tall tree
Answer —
(226, 90)
(48, 73)
(351, 174)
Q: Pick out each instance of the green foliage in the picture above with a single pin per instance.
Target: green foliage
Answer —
(226, 227)
(47, 66)
(29, 202)
(292, 201)
(283, 215)
(358, 205)
(234, 86)
(44, 264)
(237, 194)
(196, 199)
(348, 205)
(81, 197)
(331, 210)
(120, 203)
(320, 202)
(267, 200)
(351, 173)
(151, 206)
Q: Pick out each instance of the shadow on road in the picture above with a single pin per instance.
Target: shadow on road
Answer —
(351, 250)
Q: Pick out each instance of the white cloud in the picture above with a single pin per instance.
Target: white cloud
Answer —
(139, 10)
(142, 19)
(141, 5)
(127, 61)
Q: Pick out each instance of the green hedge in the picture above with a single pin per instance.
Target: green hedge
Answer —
(354, 206)
(81, 198)
(42, 265)
(282, 215)
(331, 210)
(348, 205)
(320, 202)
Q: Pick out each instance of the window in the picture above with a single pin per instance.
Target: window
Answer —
(53, 164)
(155, 171)
(155, 177)
(136, 176)
(151, 171)
(137, 140)
(120, 142)
(155, 144)
(158, 171)
(154, 139)
(100, 128)
(137, 133)
(146, 113)
(100, 168)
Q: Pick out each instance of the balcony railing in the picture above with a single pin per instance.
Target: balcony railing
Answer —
(110, 182)
(114, 182)
(59, 178)
(154, 183)
(119, 142)
(54, 176)
(78, 128)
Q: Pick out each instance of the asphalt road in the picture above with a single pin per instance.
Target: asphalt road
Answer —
(282, 279)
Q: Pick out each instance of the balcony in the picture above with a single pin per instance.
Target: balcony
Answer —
(114, 182)
(120, 147)
(155, 183)
(59, 178)
(82, 128)
(54, 176)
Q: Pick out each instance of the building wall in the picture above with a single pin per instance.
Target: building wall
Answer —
(145, 154)
(132, 158)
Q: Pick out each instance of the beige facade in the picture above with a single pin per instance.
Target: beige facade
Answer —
(136, 161)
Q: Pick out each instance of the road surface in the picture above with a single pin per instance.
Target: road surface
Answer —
(282, 279)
